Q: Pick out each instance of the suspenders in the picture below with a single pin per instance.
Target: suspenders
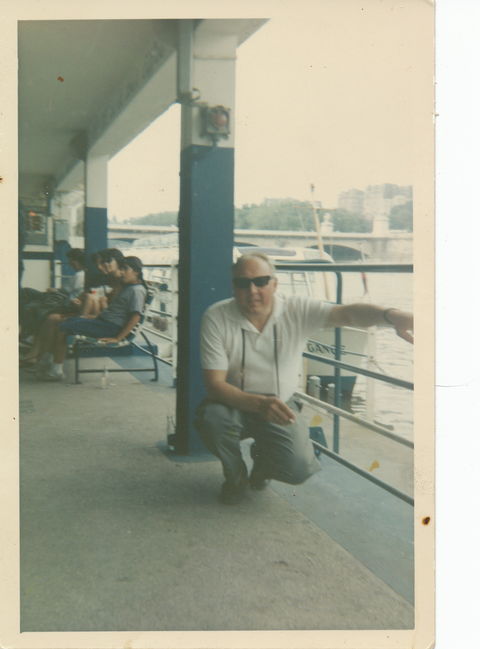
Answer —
(275, 355)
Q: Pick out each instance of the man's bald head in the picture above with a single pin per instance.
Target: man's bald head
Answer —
(244, 259)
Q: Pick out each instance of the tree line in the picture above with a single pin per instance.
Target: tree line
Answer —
(289, 214)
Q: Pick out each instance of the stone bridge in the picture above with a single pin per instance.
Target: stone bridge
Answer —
(343, 246)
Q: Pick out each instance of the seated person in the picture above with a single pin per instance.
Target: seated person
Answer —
(97, 297)
(80, 302)
(112, 325)
(75, 284)
(36, 306)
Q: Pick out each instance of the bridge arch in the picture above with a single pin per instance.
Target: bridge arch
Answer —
(341, 253)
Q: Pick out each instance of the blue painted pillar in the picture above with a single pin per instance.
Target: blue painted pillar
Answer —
(95, 222)
(206, 219)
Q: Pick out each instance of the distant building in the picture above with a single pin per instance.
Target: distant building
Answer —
(379, 199)
(351, 201)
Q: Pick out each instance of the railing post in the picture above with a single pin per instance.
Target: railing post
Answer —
(337, 373)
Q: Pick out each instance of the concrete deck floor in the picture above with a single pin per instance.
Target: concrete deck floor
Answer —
(117, 536)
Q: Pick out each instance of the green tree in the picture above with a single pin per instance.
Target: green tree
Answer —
(290, 214)
(286, 214)
(344, 221)
(159, 218)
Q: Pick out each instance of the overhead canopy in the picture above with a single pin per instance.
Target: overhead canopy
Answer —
(94, 85)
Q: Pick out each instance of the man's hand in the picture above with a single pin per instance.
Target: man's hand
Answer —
(108, 340)
(402, 322)
(276, 411)
(268, 408)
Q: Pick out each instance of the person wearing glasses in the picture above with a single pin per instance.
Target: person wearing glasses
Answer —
(251, 351)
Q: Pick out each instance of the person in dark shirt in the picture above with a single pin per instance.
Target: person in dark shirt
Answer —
(112, 325)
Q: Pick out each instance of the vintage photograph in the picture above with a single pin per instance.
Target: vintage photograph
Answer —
(224, 240)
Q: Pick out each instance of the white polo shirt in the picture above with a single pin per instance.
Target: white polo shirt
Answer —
(296, 318)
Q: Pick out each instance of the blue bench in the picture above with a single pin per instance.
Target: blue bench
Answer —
(87, 344)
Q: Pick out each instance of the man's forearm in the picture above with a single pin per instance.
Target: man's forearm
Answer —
(130, 324)
(271, 408)
(368, 315)
(365, 315)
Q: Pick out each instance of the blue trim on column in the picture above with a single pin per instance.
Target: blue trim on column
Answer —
(60, 251)
(206, 223)
(96, 237)
(96, 229)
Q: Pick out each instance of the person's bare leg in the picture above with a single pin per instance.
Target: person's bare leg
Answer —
(43, 340)
(49, 330)
(53, 370)
(88, 306)
(47, 335)
(59, 346)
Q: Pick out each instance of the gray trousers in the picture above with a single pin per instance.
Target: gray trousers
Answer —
(283, 453)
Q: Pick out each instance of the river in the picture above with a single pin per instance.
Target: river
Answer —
(392, 406)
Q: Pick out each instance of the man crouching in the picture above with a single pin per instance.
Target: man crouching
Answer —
(251, 353)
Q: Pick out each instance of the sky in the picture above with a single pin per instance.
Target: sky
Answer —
(330, 101)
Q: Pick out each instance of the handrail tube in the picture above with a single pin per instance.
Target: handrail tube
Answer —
(357, 420)
(159, 334)
(401, 383)
(145, 351)
(158, 312)
(364, 474)
(344, 268)
(318, 265)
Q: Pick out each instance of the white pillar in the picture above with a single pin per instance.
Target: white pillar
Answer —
(95, 224)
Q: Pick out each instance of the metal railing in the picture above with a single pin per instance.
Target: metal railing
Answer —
(338, 365)
(162, 288)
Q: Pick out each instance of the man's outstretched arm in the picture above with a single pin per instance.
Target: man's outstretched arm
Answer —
(367, 315)
(270, 408)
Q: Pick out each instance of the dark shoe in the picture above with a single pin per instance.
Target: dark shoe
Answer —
(232, 494)
(257, 479)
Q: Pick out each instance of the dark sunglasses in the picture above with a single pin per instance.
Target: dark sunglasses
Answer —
(244, 282)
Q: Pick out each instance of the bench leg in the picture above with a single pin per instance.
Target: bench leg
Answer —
(152, 354)
(76, 355)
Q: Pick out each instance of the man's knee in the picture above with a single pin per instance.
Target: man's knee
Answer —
(219, 427)
(214, 420)
(295, 463)
(300, 470)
